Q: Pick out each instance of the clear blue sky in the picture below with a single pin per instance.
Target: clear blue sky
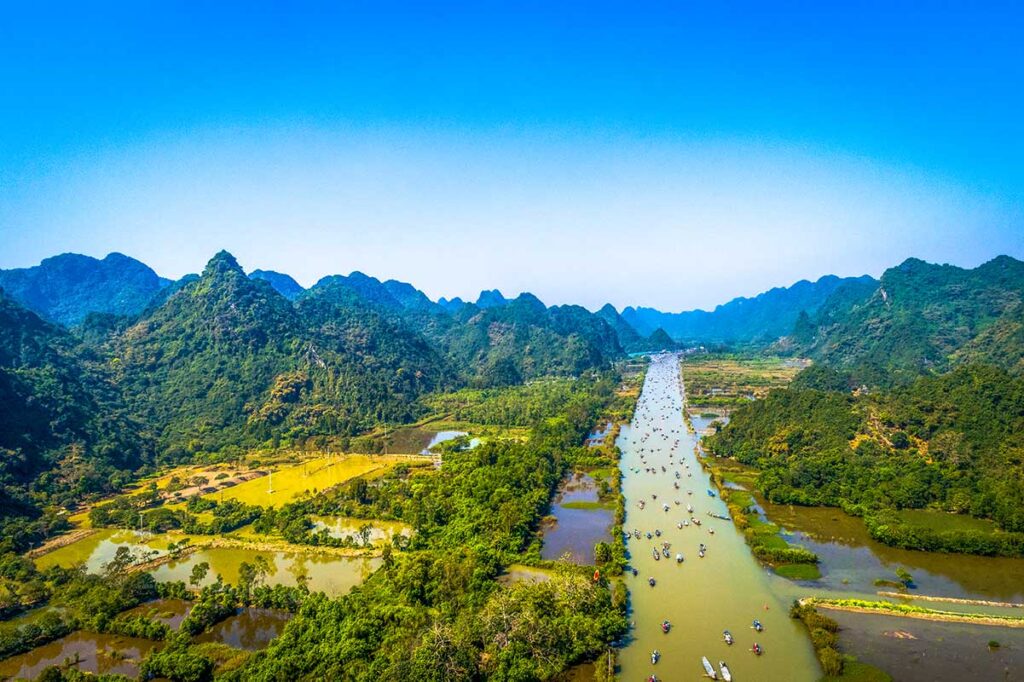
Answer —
(672, 154)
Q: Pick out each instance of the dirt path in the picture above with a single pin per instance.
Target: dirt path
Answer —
(60, 541)
(943, 616)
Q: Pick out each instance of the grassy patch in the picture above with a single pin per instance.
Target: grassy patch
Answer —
(798, 571)
(943, 521)
(855, 671)
(578, 504)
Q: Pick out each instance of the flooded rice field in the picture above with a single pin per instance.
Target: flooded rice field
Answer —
(86, 651)
(924, 651)
(580, 521)
(334, 575)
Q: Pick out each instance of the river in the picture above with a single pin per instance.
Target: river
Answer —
(701, 597)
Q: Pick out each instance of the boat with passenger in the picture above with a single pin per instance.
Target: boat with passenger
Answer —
(708, 668)
(726, 674)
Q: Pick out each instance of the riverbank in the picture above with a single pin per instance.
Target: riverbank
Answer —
(953, 600)
(910, 611)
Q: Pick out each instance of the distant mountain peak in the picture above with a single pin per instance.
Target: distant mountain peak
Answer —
(222, 262)
(68, 287)
(490, 299)
(282, 283)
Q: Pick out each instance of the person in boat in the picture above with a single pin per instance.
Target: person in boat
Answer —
(757, 649)
(635, 572)
(651, 582)
(757, 625)
(655, 656)
(666, 626)
(727, 636)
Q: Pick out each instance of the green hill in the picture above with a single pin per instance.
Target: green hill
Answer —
(920, 318)
(66, 288)
(228, 361)
(65, 432)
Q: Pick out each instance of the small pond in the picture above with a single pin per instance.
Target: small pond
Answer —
(344, 527)
(580, 521)
(444, 436)
(99, 654)
(251, 630)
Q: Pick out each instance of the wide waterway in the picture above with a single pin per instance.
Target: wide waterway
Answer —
(701, 597)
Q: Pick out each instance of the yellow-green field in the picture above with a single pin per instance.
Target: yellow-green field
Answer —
(308, 477)
(717, 381)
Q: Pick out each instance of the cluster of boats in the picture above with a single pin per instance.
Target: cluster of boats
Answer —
(653, 443)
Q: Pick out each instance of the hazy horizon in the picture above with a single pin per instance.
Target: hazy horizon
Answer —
(471, 298)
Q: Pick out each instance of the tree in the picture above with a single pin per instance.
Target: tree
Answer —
(199, 572)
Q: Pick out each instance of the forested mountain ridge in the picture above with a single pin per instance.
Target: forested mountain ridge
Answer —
(920, 317)
(64, 430)
(228, 361)
(66, 288)
(523, 339)
(763, 318)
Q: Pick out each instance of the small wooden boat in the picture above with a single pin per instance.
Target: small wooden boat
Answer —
(726, 675)
(650, 581)
(666, 626)
(655, 656)
(757, 625)
(757, 649)
(679, 558)
(708, 668)
(728, 637)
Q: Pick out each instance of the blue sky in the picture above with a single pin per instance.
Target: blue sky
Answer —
(653, 153)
